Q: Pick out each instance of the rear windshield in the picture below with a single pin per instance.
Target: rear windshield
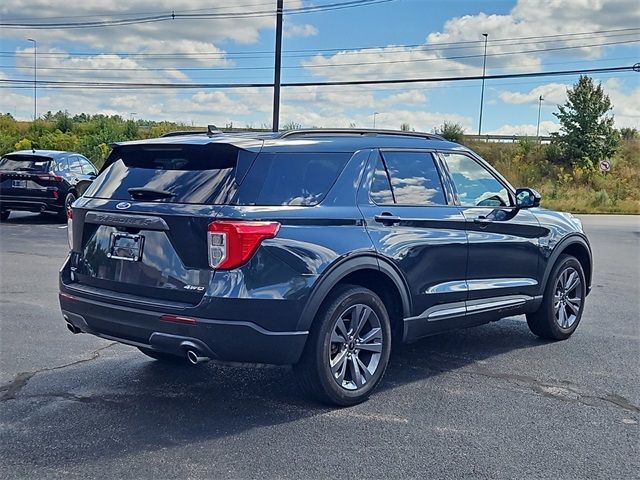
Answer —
(217, 174)
(200, 174)
(24, 163)
(291, 178)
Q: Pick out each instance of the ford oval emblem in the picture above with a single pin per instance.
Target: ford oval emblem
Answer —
(123, 205)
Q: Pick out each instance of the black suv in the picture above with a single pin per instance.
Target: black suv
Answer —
(42, 180)
(315, 248)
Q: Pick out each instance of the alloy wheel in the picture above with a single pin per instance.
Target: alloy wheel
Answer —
(567, 298)
(356, 347)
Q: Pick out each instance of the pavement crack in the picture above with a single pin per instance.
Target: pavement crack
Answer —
(10, 390)
(562, 390)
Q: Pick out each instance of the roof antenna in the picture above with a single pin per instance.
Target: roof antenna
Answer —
(213, 130)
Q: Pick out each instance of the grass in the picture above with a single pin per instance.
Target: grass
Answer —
(568, 189)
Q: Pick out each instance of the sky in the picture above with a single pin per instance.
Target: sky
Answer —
(382, 39)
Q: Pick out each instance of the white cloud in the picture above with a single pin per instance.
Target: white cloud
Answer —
(529, 18)
(305, 30)
(552, 93)
(160, 36)
(625, 102)
(546, 128)
(626, 106)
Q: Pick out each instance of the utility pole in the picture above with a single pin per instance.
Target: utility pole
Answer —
(539, 108)
(35, 78)
(484, 69)
(278, 64)
(374, 118)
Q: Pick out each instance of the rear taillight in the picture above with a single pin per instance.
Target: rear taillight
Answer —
(50, 177)
(232, 243)
(70, 227)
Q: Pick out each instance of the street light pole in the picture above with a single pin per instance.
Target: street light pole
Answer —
(374, 118)
(275, 125)
(35, 78)
(484, 69)
(539, 108)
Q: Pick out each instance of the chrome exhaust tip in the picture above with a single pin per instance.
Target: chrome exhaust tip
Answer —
(73, 329)
(194, 358)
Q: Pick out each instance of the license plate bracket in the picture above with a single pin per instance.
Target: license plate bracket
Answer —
(126, 246)
(19, 183)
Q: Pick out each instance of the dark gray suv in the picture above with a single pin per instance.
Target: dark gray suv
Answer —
(315, 248)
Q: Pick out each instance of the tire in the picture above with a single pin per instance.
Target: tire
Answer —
(360, 359)
(4, 215)
(68, 200)
(561, 308)
(163, 357)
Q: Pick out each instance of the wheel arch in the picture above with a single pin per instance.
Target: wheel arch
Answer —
(366, 270)
(578, 247)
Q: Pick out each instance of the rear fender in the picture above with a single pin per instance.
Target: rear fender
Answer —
(337, 272)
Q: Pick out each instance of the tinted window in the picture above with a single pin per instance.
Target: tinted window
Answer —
(75, 166)
(291, 178)
(380, 187)
(87, 166)
(201, 174)
(63, 165)
(476, 186)
(414, 180)
(24, 163)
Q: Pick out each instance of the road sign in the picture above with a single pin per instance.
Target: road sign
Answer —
(605, 166)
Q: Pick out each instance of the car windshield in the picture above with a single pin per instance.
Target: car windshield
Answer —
(24, 163)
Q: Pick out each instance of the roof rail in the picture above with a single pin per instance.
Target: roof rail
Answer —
(358, 131)
(184, 132)
(211, 130)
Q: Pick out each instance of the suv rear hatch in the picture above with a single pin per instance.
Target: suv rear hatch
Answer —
(28, 178)
(141, 227)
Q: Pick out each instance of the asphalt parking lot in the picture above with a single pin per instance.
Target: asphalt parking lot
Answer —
(489, 402)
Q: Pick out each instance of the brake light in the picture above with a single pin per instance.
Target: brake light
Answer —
(233, 243)
(70, 227)
(50, 177)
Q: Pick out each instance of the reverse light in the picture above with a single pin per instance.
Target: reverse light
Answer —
(179, 319)
(70, 227)
(232, 243)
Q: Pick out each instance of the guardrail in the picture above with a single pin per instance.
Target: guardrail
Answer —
(507, 138)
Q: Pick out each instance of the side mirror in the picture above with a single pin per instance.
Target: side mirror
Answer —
(527, 198)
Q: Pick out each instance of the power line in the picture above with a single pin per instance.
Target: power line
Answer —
(359, 50)
(134, 85)
(190, 16)
(339, 65)
(106, 76)
(123, 14)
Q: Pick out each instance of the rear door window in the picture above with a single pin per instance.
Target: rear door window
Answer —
(407, 178)
(198, 174)
(301, 179)
(24, 163)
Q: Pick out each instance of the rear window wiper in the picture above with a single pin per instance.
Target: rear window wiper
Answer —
(149, 193)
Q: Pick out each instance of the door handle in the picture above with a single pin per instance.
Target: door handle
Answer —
(387, 219)
(482, 221)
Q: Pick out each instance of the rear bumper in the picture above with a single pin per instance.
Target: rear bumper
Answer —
(30, 204)
(237, 341)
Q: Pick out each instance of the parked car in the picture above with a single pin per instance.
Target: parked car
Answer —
(42, 181)
(316, 248)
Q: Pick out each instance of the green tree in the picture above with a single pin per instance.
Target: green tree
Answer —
(629, 133)
(451, 131)
(586, 132)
